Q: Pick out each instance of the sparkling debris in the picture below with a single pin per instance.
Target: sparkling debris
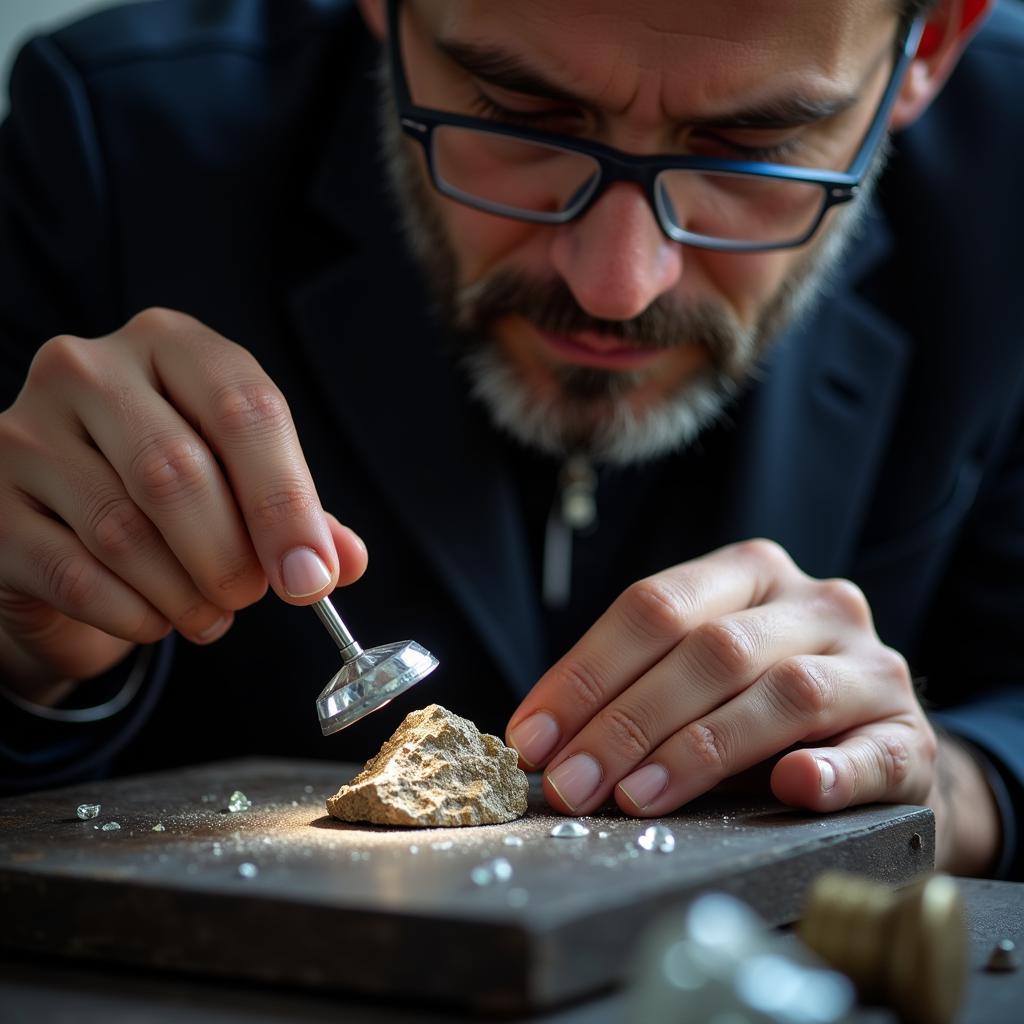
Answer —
(1003, 957)
(569, 830)
(659, 838)
(248, 870)
(497, 870)
(158, 827)
(513, 841)
(238, 801)
(87, 811)
(111, 826)
(445, 844)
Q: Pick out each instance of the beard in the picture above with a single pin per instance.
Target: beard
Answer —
(590, 411)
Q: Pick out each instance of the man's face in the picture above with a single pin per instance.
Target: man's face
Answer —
(602, 335)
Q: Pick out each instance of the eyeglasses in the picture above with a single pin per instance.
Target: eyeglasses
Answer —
(545, 178)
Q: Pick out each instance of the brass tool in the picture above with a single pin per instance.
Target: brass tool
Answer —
(905, 948)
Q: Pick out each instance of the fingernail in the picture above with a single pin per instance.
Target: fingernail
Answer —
(576, 780)
(826, 773)
(219, 628)
(304, 573)
(535, 737)
(645, 785)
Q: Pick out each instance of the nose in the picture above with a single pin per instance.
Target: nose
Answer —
(615, 259)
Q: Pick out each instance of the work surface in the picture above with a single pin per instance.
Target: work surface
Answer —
(281, 893)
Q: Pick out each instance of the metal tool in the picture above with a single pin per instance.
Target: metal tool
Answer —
(367, 680)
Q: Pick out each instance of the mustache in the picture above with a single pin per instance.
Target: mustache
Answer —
(551, 306)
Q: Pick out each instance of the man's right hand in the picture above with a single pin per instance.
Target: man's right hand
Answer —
(150, 480)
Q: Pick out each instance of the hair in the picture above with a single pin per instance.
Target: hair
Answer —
(910, 9)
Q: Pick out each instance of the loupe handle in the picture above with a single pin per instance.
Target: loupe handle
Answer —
(327, 614)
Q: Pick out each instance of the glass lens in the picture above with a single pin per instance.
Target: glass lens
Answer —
(738, 207)
(510, 174)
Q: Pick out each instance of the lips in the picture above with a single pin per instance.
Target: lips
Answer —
(586, 348)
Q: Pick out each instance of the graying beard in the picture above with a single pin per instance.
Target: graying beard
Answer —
(590, 411)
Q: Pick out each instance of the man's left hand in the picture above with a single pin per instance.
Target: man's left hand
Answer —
(711, 667)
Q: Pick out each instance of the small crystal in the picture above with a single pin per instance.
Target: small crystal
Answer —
(111, 826)
(659, 838)
(497, 870)
(569, 830)
(414, 849)
(512, 841)
(602, 835)
(87, 811)
(1003, 957)
(238, 801)
(158, 827)
(248, 870)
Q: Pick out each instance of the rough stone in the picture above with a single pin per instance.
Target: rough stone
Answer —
(437, 770)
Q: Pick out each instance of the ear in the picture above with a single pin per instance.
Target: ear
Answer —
(375, 17)
(948, 30)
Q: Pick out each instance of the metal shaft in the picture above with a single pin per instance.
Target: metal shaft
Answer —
(327, 614)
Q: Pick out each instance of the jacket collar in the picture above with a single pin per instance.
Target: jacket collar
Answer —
(809, 435)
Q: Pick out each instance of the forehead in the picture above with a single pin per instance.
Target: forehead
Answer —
(683, 54)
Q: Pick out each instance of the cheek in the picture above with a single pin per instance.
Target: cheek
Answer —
(747, 282)
(482, 242)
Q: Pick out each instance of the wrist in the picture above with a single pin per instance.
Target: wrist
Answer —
(968, 825)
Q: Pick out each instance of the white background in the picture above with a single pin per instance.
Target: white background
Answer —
(22, 18)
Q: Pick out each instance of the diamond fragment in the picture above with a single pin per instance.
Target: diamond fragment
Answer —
(87, 811)
(569, 830)
(158, 827)
(111, 826)
(238, 801)
(512, 841)
(658, 838)
(248, 870)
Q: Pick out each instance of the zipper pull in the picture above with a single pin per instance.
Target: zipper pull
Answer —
(574, 509)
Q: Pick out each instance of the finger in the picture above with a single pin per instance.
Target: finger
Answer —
(86, 493)
(799, 698)
(888, 762)
(352, 554)
(717, 661)
(636, 632)
(50, 564)
(170, 473)
(245, 419)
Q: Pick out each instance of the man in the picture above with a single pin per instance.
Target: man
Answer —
(662, 298)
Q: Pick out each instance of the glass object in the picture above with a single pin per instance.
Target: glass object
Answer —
(238, 801)
(548, 178)
(87, 811)
(111, 826)
(659, 838)
(368, 679)
(569, 830)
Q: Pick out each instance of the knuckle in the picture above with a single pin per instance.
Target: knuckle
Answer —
(70, 580)
(253, 408)
(161, 320)
(892, 759)
(170, 470)
(657, 609)
(62, 357)
(724, 649)
(803, 688)
(581, 686)
(117, 525)
(767, 553)
(284, 503)
(706, 747)
(629, 732)
(846, 600)
(893, 666)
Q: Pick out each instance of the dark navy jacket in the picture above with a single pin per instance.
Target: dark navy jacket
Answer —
(221, 158)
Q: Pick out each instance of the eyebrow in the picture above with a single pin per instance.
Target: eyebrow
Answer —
(507, 71)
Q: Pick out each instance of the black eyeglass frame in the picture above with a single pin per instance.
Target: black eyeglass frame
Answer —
(614, 165)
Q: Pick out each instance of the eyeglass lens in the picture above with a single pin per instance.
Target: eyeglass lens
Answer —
(551, 183)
